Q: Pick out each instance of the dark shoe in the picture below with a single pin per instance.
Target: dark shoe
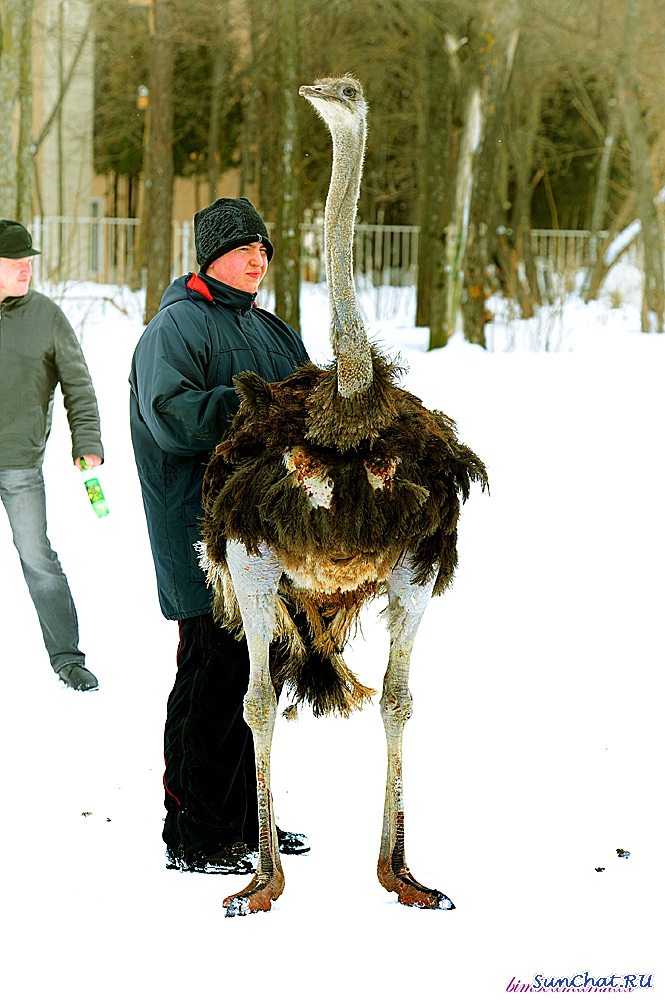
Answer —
(292, 843)
(76, 676)
(234, 859)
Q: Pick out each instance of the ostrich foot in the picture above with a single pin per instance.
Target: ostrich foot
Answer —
(410, 892)
(257, 896)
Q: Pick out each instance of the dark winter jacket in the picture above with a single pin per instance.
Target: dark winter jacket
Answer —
(182, 402)
(38, 349)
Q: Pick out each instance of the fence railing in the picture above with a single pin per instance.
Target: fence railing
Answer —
(107, 250)
(87, 249)
(563, 250)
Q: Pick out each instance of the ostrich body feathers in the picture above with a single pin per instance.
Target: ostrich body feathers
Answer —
(340, 490)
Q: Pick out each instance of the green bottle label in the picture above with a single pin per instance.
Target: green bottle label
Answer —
(94, 490)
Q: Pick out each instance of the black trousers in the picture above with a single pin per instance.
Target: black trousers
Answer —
(209, 778)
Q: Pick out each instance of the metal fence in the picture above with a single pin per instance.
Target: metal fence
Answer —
(107, 250)
(566, 250)
(87, 249)
(563, 249)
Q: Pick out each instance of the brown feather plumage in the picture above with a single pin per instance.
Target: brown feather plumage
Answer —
(250, 495)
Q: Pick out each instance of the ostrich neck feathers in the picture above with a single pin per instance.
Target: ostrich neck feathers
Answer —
(347, 330)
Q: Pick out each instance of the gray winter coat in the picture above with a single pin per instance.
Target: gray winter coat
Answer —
(38, 349)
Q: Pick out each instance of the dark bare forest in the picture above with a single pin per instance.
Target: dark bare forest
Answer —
(488, 120)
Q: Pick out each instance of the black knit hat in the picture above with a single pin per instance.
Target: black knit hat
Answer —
(15, 240)
(225, 225)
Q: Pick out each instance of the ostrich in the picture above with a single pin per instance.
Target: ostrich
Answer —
(330, 488)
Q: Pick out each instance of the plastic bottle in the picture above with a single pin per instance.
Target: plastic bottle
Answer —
(95, 494)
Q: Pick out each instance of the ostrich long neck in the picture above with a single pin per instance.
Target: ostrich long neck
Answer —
(347, 330)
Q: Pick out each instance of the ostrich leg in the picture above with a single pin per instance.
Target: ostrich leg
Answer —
(406, 609)
(255, 580)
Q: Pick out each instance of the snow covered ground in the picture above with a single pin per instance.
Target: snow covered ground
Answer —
(535, 749)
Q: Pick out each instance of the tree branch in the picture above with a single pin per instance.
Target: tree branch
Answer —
(65, 87)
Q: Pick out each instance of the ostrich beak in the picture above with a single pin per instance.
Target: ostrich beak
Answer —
(317, 92)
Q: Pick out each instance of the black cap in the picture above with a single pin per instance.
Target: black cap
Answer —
(15, 240)
(225, 225)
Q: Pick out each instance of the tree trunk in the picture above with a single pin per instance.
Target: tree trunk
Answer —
(427, 228)
(219, 73)
(250, 110)
(653, 299)
(157, 248)
(10, 20)
(66, 80)
(458, 229)
(494, 68)
(60, 133)
(26, 137)
(139, 269)
(286, 262)
(522, 146)
(265, 75)
(599, 203)
(434, 157)
(247, 164)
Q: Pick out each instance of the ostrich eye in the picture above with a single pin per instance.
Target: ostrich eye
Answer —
(349, 92)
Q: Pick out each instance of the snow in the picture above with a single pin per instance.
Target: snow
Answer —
(625, 237)
(534, 751)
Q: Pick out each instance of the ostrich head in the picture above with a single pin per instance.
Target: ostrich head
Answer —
(340, 102)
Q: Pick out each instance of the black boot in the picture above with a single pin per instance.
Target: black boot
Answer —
(292, 843)
(76, 676)
(234, 859)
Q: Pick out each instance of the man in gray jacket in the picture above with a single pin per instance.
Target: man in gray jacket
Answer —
(38, 350)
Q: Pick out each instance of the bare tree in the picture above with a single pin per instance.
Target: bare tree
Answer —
(595, 269)
(286, 265)
(218, 88)
(10, 24)
(653, 299)
(159, 177)
(437, 133)
(495, 46)
(458, 230)
(525, 112)
(67, 75)
(252, 96)
(26, 148)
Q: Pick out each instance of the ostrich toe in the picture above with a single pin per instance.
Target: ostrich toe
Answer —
(258, 896)
(410, 892)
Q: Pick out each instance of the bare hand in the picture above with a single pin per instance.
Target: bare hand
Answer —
(90, 461)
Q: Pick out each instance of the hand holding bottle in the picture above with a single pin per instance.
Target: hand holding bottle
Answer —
(93, 488)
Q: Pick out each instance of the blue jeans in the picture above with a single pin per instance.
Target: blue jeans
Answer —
(22, 493)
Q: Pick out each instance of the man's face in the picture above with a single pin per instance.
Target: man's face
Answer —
(243, 268)
(14, 276)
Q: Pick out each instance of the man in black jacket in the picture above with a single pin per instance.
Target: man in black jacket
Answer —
(207, 330)
(38, 350)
